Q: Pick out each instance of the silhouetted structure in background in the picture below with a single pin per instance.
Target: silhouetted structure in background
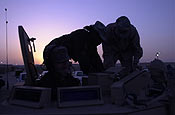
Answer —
(123, 44)
(2, 82)
(158, 74)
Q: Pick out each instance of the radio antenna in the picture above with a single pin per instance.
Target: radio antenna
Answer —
(6, 48)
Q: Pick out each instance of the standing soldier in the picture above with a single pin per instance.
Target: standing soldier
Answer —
(123, 44)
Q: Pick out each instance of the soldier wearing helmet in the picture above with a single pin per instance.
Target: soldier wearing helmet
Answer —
(123, 44)
(82, 45)
(59, 74)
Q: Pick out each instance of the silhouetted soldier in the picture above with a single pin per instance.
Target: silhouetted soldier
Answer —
(82, 46)
(57, 62)
(123, 44)
(59, 74)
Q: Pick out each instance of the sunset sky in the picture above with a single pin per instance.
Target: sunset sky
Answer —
(48, 19)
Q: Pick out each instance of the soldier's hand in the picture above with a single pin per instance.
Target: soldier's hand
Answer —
(137, 67)
(115, 77)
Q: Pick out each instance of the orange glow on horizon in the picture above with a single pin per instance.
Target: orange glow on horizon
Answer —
(38, 61)
(38, 58)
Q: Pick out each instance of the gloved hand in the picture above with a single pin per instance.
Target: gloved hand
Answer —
(136, 67)
(121, 74)
(115, 77)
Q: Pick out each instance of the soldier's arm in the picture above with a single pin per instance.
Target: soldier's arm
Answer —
(107, 55)
(107, 48)
(138, 51)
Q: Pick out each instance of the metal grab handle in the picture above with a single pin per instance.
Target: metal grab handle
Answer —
(32, 40)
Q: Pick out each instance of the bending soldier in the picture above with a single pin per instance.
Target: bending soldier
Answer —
(82, 46)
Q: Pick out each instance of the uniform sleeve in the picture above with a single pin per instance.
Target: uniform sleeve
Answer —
(107, 49)
(138, 51)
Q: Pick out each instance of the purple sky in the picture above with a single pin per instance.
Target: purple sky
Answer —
(48, 19)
